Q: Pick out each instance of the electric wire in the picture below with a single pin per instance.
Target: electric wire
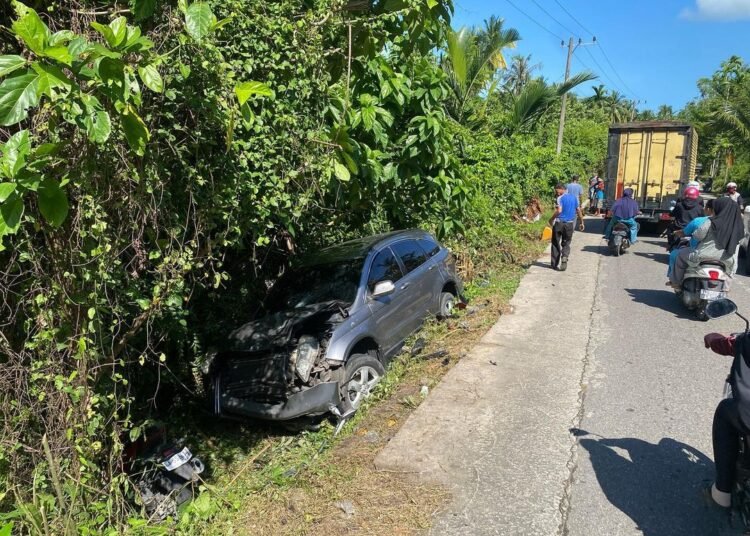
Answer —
(601, 48)
(604, 72)
(550, 15)
(532, 19)
(574, 19)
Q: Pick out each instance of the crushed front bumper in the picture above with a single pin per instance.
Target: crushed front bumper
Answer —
(316, 400)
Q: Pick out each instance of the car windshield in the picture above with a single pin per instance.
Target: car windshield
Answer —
(321, 283)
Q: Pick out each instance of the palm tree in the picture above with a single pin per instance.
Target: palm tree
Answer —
(537, 97)
(471, 60)
(600, 95)
(618, 106)
(665, 112)
(519, 74)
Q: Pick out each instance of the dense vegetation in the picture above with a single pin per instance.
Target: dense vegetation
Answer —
(162, 163)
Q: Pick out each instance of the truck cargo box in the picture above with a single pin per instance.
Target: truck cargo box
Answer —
(655, 158)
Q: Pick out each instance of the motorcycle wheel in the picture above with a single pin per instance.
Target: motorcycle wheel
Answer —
(617, 246)
(700, 312)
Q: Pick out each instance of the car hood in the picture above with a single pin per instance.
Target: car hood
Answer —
(276, 329)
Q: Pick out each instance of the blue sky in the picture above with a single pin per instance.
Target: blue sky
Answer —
(659, 48)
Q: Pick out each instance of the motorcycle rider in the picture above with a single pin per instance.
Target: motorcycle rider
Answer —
(624, 210)
(718, 238)
(688, 231)
(731, 414)
(688, 208)
(734, 195)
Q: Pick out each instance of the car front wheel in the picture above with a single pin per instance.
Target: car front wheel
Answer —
(362, 373)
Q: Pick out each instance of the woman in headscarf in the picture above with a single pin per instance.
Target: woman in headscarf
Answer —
(718, 238)
(624, 210)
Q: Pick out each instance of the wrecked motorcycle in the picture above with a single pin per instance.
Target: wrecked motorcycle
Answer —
(166, 473)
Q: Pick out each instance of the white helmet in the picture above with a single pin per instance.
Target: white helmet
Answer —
(731, 185)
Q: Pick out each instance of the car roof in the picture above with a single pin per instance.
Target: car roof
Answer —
(359, 248)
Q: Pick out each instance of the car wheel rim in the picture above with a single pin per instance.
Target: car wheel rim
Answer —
(361, 385)
(448, 308)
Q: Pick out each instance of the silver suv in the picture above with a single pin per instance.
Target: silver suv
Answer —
(331, 326)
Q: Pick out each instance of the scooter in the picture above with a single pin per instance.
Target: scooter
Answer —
(741, 493)
(619, 239)
(166, 473)
(702, 285)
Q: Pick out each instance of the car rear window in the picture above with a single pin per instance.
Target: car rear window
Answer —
(430, 246)
(410, 253)
(384, 268)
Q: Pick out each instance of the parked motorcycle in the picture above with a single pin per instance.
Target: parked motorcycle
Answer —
(619, 239)
(741, 493)
(166, 473)
(702, 285)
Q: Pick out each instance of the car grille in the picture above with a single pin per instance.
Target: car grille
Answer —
(261, 378)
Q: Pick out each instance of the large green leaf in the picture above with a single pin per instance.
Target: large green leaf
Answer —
(151, 78)
(51, 78)
(61, 37)
(199, 20)
(15, 151)
(8, 64)
(136, 132)
(6, 188)
(17, 94)
(119, 28)
(10, 214)
(59, 53)
(342, 173)
(105, 31)
(98, 126)
(245, 90)
(53, 203)
(29, 27)
(142, 9)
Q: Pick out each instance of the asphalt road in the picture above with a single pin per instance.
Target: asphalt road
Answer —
(587, 411)
(644, 445)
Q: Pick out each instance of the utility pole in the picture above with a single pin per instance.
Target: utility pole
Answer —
(571, 48)
(564, 99)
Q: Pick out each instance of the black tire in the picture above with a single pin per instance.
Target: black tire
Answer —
(618, 246)
(700, 313)
(447, 304)
(362, 373)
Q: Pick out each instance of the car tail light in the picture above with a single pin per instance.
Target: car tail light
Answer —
(713, 274)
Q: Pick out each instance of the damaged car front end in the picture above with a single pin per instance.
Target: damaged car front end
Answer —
(281, 377)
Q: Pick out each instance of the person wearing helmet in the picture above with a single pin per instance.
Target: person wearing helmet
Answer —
(735, 195)
(687, 208)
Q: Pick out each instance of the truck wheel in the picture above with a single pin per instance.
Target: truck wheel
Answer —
(361, 374)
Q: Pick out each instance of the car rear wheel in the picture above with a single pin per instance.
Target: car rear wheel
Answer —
(361, 374)
(447, 305)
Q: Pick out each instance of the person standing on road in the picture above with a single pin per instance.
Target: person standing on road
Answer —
(575, 189)
(734, 195)
(599, 198)
(563, 223)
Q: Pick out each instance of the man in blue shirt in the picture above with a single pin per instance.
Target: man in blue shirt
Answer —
(567, 208)
(576, 189)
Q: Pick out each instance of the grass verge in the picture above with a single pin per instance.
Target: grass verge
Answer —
(269, 482)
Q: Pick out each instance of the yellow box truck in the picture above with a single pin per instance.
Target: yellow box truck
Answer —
(654, 158)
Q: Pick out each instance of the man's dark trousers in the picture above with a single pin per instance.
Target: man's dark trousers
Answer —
(562, 235)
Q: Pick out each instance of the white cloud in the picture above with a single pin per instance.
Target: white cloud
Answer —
(718, 10)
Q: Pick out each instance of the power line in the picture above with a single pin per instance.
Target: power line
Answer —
(603, 71)
(532, 19)
(574, 19)
(554, 19)
(601, 48)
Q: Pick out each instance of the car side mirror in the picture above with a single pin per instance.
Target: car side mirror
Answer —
(383, 288)
(719, 308)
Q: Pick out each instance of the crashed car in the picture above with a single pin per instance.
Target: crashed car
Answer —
(330, 328)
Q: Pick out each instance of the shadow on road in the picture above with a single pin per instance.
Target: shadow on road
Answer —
(657, 485)
(663, 258)
(660, 299)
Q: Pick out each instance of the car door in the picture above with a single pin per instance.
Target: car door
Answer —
(416, 281)
(387, 311)
(436, 274)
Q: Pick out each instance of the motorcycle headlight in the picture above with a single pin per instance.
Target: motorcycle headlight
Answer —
(304, 356)
(208, 361)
